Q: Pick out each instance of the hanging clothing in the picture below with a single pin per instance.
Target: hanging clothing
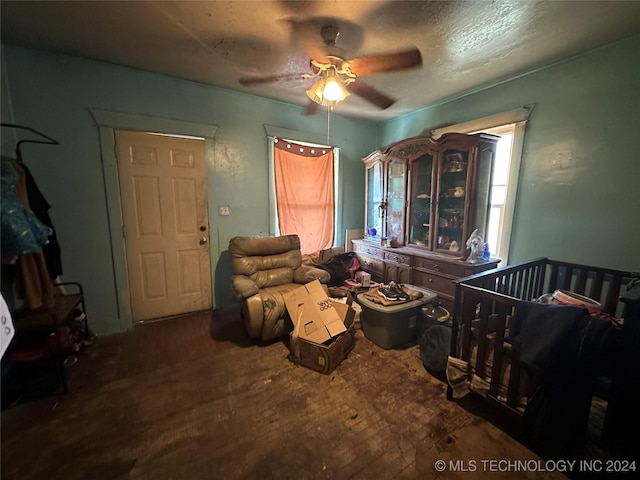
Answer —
(33, 283)
(22, 232)
(23, 236)
(40, 207)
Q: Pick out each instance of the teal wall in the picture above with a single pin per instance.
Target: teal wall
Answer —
(577, 199)
(54, 94)
(579, 193)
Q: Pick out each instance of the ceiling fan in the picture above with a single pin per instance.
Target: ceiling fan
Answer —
(337, 76)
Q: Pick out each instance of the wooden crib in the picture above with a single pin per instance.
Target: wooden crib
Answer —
(485, 303)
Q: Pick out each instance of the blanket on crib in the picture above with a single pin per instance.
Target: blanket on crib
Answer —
(565, 349)
(556, 341)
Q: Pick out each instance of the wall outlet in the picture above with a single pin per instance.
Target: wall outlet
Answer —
(224, 210)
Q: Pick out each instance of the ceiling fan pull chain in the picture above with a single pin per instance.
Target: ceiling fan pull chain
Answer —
(328, 116)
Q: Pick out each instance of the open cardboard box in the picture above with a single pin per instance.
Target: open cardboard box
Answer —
(315, 317)
(322, 357)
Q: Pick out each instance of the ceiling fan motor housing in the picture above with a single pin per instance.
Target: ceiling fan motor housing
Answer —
(330, 35)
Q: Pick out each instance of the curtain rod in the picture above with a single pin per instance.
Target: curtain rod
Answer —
(300, 142)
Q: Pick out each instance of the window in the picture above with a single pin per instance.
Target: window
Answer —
(499, 188)
(303, 192)
(509, 126)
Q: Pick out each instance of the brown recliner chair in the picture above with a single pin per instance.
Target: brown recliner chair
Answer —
(264, 268)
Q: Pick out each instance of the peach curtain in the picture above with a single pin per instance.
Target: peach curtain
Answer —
(304, 194)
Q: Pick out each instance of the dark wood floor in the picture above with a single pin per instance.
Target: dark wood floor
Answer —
(194, 398)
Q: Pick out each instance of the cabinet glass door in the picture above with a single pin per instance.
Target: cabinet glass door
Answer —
(452, 201)
(374, 212)
(395, 202)
(420, 200)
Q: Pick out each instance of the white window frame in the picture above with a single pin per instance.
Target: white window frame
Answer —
(517, 119)
(504, 234)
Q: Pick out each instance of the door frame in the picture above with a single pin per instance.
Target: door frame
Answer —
(107, 121)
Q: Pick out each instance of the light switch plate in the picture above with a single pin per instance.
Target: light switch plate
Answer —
(224, 210)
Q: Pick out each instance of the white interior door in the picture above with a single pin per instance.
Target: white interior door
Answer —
(166, 229)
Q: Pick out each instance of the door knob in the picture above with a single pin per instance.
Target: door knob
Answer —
(203, 240)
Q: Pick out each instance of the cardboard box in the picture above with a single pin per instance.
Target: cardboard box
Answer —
(313, 313)
(324, 358)
(364, 278)
(357, 287)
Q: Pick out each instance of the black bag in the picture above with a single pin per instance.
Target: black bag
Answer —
(341, 267)
(435, 345)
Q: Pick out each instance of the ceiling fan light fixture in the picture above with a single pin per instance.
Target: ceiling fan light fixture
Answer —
(315, 93)
(328, 91)
(334, 91)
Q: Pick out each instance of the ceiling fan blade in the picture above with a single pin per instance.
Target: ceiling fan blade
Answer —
(304, 34)
(314, 51)
(371, 94)
(272, 78)
(311, 108)
(386, 62)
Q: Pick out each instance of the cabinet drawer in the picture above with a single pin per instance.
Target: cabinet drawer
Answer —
(435, 282)
(370, 264)
(367, 250)
(438, 267)
(397, 258)
(395, 273)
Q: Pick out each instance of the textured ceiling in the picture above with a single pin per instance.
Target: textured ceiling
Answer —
(465, 45)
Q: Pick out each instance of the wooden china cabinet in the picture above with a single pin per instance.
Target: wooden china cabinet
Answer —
(424, 198)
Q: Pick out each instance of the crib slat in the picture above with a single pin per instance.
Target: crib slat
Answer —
(513, 282)
(518, 284)
(468, 314)
(553, 278)
(566, 281)
(613, 295)
(535, 281)
(540, 273)
(596, 288)
(526, 291)
(481, 356)
(507, 283)
(581, 281)
(498, 350)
